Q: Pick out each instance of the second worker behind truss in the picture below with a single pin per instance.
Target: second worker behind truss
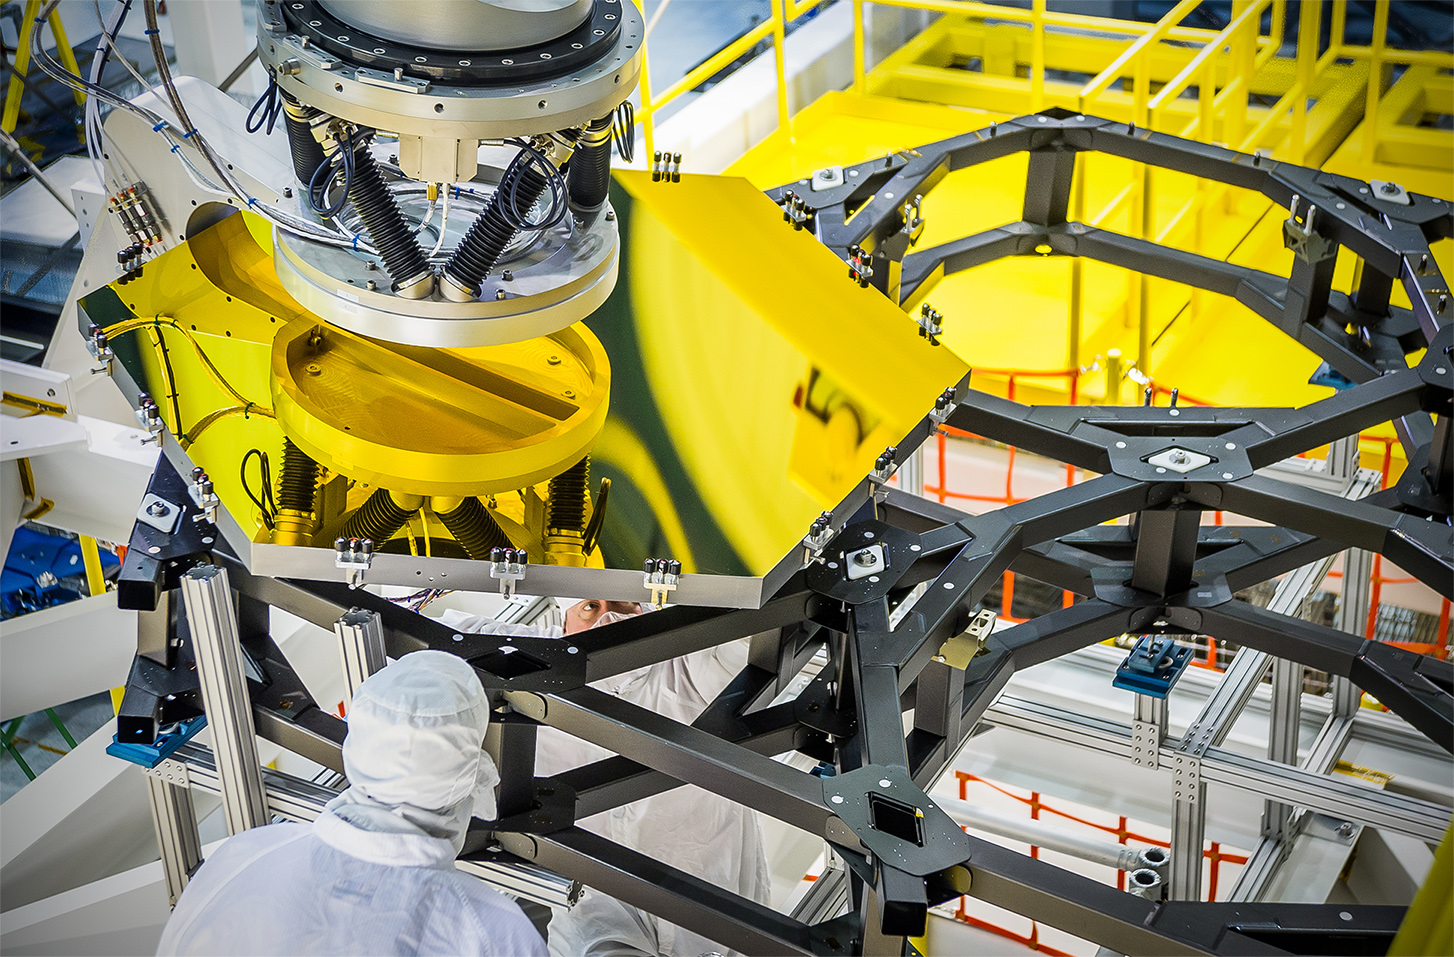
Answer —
(695, 831)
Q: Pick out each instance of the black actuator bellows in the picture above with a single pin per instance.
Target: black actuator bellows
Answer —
(589, 178)
(480, 249)
(391, 236)
(307, 152)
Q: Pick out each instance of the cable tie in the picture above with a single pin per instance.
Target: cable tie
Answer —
(149, 33)
(251, 200)
(159, 127)
(185, 135)
(355, 242)
(176, 146)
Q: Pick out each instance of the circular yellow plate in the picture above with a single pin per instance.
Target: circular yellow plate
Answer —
(471, 421)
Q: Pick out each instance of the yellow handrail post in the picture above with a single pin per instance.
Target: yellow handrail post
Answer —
(1338, 35)
(1310, 17)
(1244, 51)
(1037, 56)
(1375, 87)
(1145, 207)
(858, 67)
(779, 37)
(91, 556)
(1077, 265)
(16, 89)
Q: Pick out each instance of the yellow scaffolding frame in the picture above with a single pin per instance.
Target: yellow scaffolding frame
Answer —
(16, 89)
(1223, 71)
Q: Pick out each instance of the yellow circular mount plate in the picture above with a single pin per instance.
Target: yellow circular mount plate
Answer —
(471, 421)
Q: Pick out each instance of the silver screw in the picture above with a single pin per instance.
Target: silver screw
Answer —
(158, 509)
(864, 558)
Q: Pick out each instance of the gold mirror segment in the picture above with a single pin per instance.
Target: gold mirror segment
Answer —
(452, 422)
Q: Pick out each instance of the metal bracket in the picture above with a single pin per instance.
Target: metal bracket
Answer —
(355, 555)
(1178, 459)
(204, 497)
(943, 406)
(660, 578)
(884, 466)
(149, 417)
(159, 513)
(1390, 192)
(507, 565)
(1302, 237)
(827, 178)
(931, 323)
(172, 771)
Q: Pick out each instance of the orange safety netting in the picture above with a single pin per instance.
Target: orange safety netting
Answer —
(1212, 852)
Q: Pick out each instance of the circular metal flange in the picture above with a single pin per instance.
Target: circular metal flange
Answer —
(436, 421)
(556, 279)
(461, 25)
(460, 96)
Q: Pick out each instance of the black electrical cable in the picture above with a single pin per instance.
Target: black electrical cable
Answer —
(511, 186)
(267, 108)
(623, 131)
(340, 160)
(265, 504)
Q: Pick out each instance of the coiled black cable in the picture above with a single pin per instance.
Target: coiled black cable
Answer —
(342, 160)
(589, 176)
(297, 479)
(266, 109)
(264, 500)
(375, 205)
(377, 519)
(525, 180)
(566, 509)
(623, 131)
(474, 528)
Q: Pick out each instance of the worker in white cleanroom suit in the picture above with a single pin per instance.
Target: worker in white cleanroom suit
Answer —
(693, 830)
(374, 874)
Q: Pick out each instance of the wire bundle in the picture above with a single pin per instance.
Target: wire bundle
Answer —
(267, 109)
(510, 185)
(623, 131)
(340, 160)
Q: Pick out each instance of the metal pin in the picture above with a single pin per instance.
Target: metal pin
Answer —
(1175, 393)
(1149, 394)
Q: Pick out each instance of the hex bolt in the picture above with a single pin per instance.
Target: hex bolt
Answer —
(1345, 829)
(508, 276)
(864, 558)
(1390, 188)
(158, 509)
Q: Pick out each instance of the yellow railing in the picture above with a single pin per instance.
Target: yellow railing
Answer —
(1223, 71)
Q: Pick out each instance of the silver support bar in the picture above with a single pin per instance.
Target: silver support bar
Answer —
(1123, 857)
(1388, 810)
(213, 622)
(175, 821)
(911, 473)
(361, 644)
(1352, 617)
(295, 799)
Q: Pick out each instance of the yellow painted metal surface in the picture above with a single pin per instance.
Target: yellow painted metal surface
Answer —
(732, 349)
(440, 421)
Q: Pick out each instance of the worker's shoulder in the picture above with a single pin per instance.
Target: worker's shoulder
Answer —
(259, 840)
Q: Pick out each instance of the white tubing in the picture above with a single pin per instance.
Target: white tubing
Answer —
(1029, 831)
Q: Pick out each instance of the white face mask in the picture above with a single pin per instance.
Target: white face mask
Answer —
(610, 616)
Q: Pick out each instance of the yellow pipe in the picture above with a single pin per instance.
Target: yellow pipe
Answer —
(1310, 16)
(16, 89)
(714, 65)
(1198, 63)
(1434, 58)
(1338, 35)
(1073, 21)
(91, 555)
(1107, 76)
(779, 36)
(1375, 87)
(1428, 924)
(1077, 267)
(1037, 56)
